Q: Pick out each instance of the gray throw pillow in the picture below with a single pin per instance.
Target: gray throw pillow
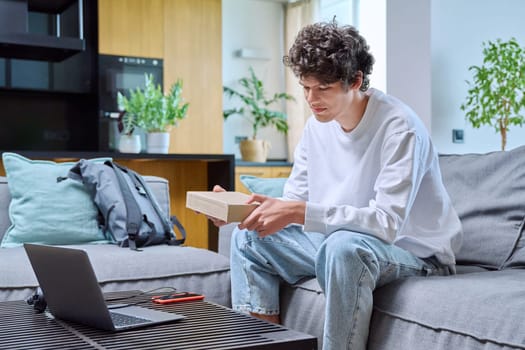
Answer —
(488, 192)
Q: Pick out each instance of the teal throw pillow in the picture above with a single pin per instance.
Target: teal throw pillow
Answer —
(272, 187)
(45, 211)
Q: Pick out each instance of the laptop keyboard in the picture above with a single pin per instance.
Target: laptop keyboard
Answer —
(121, 320)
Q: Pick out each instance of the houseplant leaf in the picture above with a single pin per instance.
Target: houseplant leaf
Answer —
(255, 107)
(496, 95)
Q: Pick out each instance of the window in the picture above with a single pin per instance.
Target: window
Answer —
(345, 11)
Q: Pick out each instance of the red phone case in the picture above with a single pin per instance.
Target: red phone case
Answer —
(177, 297)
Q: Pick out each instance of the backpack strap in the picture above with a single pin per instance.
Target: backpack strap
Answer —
(165, 223)
(180, 228)
(134, 216)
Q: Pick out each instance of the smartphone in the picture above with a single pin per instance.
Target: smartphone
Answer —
(177, 297)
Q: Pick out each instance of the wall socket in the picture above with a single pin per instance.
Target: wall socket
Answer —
(238, 139)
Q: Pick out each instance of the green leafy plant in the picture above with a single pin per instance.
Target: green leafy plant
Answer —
(255, 105)
(497, 95)
(150, 109)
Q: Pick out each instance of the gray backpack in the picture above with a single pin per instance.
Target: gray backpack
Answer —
(129, 212)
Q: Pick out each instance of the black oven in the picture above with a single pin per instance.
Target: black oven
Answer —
(120, 74)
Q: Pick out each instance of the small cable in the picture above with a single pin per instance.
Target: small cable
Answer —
(141, 294)
(171, 289)
(113, 307)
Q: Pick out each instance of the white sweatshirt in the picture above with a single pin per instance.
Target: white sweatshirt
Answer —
(382, 178)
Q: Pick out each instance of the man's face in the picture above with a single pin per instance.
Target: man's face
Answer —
(327, 101)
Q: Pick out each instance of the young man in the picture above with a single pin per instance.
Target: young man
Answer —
(364, 204)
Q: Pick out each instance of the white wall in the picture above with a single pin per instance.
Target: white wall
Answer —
(372, 25)
(253, 24)
(423, 49)
(458, 30)
(430, 45)
(369, 17)
(408, 63)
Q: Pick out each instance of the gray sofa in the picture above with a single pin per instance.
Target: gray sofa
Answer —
(118, 269)
(483, 306)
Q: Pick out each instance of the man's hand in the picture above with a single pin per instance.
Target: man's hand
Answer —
(273, 215)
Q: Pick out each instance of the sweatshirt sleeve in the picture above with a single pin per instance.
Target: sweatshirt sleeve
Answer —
(395, 189)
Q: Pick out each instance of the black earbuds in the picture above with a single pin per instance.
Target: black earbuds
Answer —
(38, 301)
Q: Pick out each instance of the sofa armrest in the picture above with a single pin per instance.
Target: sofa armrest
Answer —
(5, 199)
(225, 235)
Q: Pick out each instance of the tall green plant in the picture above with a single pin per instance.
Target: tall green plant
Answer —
(150, 109)
(496, 96)
(255, 105)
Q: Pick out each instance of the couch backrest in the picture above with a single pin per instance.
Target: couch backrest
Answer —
(488, 192)
(158, 185)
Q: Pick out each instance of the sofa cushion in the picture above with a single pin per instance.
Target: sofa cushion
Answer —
(517, 259)
(487, 191)
(43, 210)
(112, 263)
(486, 307)
(117, 269)
(310, 319)
(303, 308)
(272, 187)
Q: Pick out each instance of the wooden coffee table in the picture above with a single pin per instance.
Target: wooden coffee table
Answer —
(206, 326)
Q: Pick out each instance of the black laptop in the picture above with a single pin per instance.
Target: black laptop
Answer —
(72, 292)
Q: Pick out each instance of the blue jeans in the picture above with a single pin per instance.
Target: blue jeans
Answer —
(348, 266)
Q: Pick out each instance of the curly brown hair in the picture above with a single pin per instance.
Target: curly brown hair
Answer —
(330, 53)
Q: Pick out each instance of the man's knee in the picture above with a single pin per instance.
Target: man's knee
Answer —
(346, 247)
(344, 256)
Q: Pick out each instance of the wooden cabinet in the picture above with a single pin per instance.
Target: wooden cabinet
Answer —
(184, 172)
(193, 52)
(259, 171)
(131, 27)
(187, 35)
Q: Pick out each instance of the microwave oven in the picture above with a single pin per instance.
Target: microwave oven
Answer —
(120, 74)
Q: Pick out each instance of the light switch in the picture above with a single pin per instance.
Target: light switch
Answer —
(458, 136)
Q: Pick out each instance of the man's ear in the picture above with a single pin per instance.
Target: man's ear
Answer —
(359, 76)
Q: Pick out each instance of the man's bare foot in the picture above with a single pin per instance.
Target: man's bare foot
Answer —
(269, 318)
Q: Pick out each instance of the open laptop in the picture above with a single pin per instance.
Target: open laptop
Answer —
(72, 292)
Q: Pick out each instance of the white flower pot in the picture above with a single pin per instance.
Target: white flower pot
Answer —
(158, 142)
(129, 144)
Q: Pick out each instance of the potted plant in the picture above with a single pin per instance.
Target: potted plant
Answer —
(128, 141)
(155, 112)
(496, 97)
(255, 110)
